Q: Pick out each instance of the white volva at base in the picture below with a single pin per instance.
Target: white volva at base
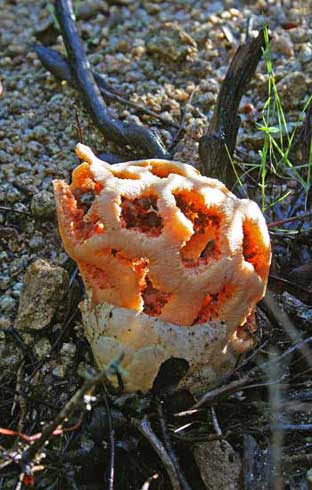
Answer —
(147, 342)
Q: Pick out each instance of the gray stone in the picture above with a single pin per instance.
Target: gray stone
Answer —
(4, 323)
(10, 357)
(292, 89)
(37, 242)
(40, 133)
(4, 282)
(3, 256)
(44, 288)
(68, 352)
(42, 204)
(305, 53)
(170, 41)
(13, 195)
(282, 43)
(7, 304)
(16, 290)
(219, 465)
(42, 348)
(59, 372)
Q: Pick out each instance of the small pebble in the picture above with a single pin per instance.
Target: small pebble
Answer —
(43, 204)
(4, 282)
(7, 304)
(4, 323)
(42, 348)
(59, 372)
(37, 242)
(171, 42)
(68, 350)
(13, 195)
(292, 89)
(305, 53)
(16, 290)
(282, 43)
(3, 256)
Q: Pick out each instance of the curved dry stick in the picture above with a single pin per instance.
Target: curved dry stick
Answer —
(216, 147)
(112, 445)
(145, 428)
(169, 448)
(137, 137)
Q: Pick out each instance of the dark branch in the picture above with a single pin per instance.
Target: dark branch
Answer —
(168, 445)
(216, 147)
(139, 138)
(56, 64)
(146, 430)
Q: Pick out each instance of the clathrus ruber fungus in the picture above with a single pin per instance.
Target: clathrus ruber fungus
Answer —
(173, 264)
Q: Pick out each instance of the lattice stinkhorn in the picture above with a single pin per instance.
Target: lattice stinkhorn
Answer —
(173, 264)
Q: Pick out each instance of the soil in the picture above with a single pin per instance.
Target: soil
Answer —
(171, 57)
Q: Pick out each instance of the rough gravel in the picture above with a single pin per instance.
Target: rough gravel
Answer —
(169, 56)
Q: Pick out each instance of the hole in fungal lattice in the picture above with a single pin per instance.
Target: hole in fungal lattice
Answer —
(85, 190)
(125, 174)
(210, 308)
(254, 249)
(112, 272)
(85, 221)
(86, 200)
(203, 246)
(141, 214)
(154, 299)
(164, 169)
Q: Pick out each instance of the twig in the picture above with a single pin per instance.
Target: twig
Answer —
(297, 458)
(19, 397)
(284, 321)
(59, 66)
(111, 431)
(148, 482)
(281, 284)
(215, 422)
(201, 437)
(69, 408)
(272, 372)
(145, 428)
(79, 128)
(289, 220)
(11, 210)
(169, 448)
(27, 351)
(294, 427)
(216, 147)
(182, 124)
(212, 395)
(69, 474)
(239, 384)
(56, 64)
(137, 137)
(303, 346)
